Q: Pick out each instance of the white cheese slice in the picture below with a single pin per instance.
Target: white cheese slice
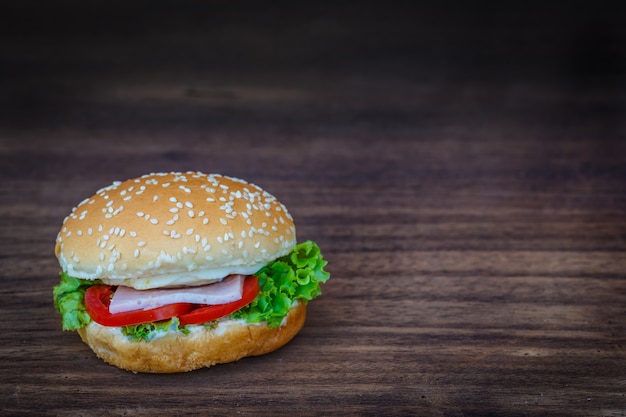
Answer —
(129, 299)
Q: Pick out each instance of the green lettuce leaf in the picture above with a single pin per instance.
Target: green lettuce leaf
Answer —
(296, 276)
(69, 300)
(148, 331)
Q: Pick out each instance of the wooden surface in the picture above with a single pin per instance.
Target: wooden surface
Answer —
(463, 170)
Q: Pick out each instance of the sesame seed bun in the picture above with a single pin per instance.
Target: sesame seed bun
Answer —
(174, 229)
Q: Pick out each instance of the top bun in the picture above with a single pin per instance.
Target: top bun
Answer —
(174, 229)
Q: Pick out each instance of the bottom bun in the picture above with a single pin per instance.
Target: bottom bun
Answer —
(231, 340)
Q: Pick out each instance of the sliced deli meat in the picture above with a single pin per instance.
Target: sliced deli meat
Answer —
(129, 299)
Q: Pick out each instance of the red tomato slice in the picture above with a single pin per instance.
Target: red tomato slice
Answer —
(98, 298)
(200, 315)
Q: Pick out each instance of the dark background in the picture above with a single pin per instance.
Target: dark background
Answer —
(335, 63)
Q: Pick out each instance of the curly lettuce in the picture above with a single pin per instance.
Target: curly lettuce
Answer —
(148, 331)
(69, 300)
(296, 276)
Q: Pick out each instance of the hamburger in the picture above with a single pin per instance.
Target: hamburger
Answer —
(172, 272)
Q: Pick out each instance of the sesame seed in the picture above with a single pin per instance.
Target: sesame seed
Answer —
(136, 253)
(102, 256)
(189, 231)
(190, 213)
(155, 198)
(174, 210)
(89, 231)
(173, 199)
(128, 197)
(205, 220)
(140, 213)
(111, 267)
(153, 221)
(122, 232)
(188, 204)
(141, 244)
(224, 222)
(133, 234)
(105, 237)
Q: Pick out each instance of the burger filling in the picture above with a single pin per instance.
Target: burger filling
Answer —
(264, 297)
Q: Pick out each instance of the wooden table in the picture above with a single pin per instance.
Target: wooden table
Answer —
(463, 171)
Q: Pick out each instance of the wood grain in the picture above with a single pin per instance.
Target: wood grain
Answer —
(462, 170)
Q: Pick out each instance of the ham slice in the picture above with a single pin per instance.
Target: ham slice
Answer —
(129, 299)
